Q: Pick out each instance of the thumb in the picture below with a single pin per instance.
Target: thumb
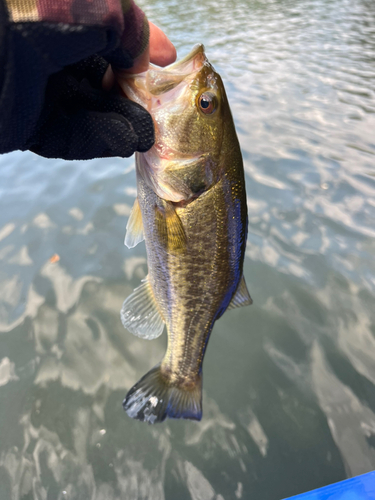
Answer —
(160, 51)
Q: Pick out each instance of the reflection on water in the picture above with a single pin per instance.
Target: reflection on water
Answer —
(352, 424)
(289, 395)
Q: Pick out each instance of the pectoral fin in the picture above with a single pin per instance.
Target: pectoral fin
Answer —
(241, 297)
(175, 231)
(170, 229)
(140, 315)
(134, 227)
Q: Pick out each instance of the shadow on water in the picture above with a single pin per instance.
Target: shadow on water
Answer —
(289, 397)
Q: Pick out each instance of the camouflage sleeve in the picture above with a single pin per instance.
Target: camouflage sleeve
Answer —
(123, 17)
(40, 37)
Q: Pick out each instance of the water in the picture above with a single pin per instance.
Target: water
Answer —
(289, 394)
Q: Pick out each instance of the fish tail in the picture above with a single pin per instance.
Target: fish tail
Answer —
(154, 398)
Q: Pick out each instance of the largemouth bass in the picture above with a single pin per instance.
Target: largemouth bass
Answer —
(191, 211)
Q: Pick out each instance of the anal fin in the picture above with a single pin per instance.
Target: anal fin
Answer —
(134, 227)
(140, 315)
(241, 297)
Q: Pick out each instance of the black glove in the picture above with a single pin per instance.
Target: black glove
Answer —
(55, 106)
(80, 120)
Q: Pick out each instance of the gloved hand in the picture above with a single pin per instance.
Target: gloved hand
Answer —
(56, 106)
(80, 120)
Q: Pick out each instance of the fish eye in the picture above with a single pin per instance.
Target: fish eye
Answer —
(207, 103)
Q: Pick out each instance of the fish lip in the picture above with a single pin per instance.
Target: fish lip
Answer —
(160, 151)
(196, 55)
(197, 51)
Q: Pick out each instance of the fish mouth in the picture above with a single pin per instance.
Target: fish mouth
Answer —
(145, 87)
(156, 90)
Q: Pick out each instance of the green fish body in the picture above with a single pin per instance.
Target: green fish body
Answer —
(192, 214)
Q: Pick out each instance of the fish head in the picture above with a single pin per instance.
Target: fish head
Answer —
(188, 104)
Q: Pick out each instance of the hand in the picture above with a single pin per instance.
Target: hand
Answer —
(81, 121)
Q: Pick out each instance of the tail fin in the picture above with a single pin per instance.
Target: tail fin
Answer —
(152, 399)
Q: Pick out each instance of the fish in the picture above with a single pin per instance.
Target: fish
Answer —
(191, 211)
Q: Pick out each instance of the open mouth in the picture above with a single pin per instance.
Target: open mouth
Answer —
(156, 82)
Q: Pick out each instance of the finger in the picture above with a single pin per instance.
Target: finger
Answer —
(98, 135)
(162, 50)
(141, 122)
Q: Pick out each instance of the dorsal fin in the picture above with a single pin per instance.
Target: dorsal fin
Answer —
(241, 297)
(134, 227)
(140, 315)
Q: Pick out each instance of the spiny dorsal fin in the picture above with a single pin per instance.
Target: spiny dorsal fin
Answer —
(241, 297)
(140, 315)
(170, 228)
(134, 227)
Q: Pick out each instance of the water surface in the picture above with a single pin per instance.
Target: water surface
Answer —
(289, 383)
